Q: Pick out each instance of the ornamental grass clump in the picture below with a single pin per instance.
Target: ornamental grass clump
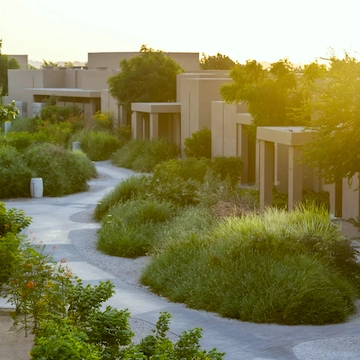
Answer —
(144, 155)
(129, 229)
(15, 174)
(130, 188)
(97, 145)
(260, 268)
(63, 171)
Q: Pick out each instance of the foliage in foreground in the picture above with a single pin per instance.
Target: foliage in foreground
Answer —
(12, 221)
(286, 268)
(68, 319)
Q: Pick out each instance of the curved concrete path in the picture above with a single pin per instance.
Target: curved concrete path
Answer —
(52, 224)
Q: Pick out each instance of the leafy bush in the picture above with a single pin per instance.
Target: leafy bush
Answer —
(57, 114)
(129, 229)
(97, 145)
(260, 268)
(24, 125)
(159, 346)
(12, 221)
(227, 166)
(59, 169)
(22, 140)
(15, 174)
(127, 189)
(143, 156)
(198, 145)
(103, 121)
(63, 341)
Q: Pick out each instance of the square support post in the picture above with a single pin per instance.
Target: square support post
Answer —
(243, 152)
(295, 177)
(154, 126)
(136, 125)
(266, 173)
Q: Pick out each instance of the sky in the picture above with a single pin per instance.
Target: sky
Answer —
(262, 30)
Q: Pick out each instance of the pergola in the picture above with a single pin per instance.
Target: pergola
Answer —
(292, 136)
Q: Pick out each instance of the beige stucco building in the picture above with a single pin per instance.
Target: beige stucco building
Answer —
(270, 159)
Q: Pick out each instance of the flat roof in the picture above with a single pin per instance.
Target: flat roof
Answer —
(157, 108)
(70, 92)
(287, 135)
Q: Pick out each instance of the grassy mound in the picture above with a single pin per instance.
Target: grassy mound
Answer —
(277, 267)
(130, 228)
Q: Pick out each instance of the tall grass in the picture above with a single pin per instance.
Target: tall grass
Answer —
(98, 145)
(143, 156)
(258, 268)
(129, 229)
(128, 189)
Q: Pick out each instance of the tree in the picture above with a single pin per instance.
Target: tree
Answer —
(216, 62)
(334, 110)
(148, 77)
(274, 95)
(5, 64)
(49, 63)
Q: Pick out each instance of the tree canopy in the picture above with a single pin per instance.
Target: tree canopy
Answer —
(325, 98)
(334, 109)
(273, 95)
(147, 77)
(5, 64)
(216, 62)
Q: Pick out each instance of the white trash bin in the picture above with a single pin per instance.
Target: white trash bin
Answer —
(36, 187)
(76, 145)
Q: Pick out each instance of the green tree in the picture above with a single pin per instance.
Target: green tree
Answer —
(216, 62)
(334, 108)
(148, 77)
(49, 63)
(5, 64)
(274, 95)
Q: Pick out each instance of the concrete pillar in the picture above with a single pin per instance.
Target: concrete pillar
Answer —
(295, 177)
(243, 151)
(177, 129)
(154, 126)
(266, 172)
(136, 125)
(281, 167)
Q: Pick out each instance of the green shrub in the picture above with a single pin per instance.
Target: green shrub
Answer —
(198, 145)
(143, 156)
(59, 169)
(97, 145)
(22, 140)
(12, 221)
(127, 189)
(57, 114)
(15, 174)
(129, 229)
(158, 346)
(259, 268)
(191, 220)
(63, 341)
(177, 180)
(227, 166)
(24, 125)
